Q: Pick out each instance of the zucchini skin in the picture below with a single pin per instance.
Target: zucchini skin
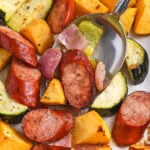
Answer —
(137, 61)
(12, 119)
(109, 111)
(2, 18)
(139, 73)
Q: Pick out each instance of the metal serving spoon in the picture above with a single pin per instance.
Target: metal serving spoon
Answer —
(111, 49)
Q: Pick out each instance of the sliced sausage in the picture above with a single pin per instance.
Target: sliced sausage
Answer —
(23, 83)
(18, 46)
(77, 75)
(49, 61)
(49, 147)
(61, 14)
(44, 125)
(132, 118)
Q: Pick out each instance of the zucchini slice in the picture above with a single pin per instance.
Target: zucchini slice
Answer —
(28, 12)
(9, 7)
(10, 111)
(108, 101)
(136, 61)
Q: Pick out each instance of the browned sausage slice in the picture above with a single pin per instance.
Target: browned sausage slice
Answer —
(23, 83)
(132, 118)
(17, 45)
(62, 13)
(44, 125)
(77, 77)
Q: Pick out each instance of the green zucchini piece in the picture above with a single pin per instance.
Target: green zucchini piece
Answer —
(93, 34)
(10, 111)
(30, 11)
(110, 99)
(9, 7)
(136, 61)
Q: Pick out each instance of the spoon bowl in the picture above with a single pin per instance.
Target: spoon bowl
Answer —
(111, 48)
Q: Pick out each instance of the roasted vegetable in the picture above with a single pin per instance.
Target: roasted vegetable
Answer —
(139, 147)
(54, 95)
(49, 62)
(136, 61)
(8, 8)
(90, 128)
(10, 111)
(28, 12)
(42, 39)
(142, 19)
(108, 101)
(93, 34)
(111, 4)
(127, 19)
(87, 6)
(4, 58)
(11, 139)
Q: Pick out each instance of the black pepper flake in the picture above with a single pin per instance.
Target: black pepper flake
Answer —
(97, 7)
(28, 7)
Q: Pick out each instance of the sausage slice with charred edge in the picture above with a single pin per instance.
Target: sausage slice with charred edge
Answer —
(61, 14)
(18, 46)
(23, 83)
(132, 118)
(45, 125)
(77, 75)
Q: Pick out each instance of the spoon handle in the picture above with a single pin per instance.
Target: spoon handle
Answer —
(120, 7)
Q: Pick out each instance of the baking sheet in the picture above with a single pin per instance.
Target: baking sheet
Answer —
(145, 42)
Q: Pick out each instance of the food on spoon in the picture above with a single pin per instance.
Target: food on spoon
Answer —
(5, 57)
(90, 128)
(49, 62)
(93, 34)
(45, 125)
(49, 147)
(83, 7)
(142, 19)
(28, 12)
(77, 75)
(132, 118)
(136, 61)
(18, 46)
(111, 4)
(61, 14)
(8, 8)
(23, 83)
(127, 19)
(38, 33)
(110, 99)
(10, 111)
(72, 38)
(54, 94)
(100, 74)
(11, 139)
